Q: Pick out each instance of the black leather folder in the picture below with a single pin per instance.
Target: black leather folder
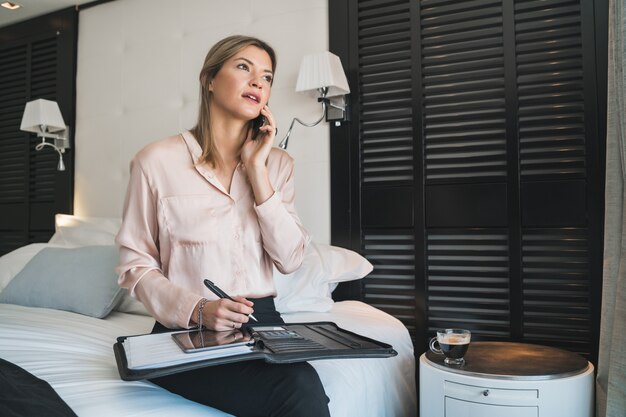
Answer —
(284, 343)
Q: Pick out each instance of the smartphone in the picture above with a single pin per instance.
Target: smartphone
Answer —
(196, 341)
(256, 125)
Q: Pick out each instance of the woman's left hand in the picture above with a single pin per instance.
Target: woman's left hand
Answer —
(255, 151)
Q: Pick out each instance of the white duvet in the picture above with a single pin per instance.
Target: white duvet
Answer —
(74, 354)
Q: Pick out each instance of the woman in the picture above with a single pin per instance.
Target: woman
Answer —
(217, 203)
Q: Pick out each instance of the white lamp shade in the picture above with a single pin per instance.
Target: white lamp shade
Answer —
(38, 113)
(322, 70)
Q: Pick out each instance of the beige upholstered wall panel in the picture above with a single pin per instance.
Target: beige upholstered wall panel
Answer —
(137, 81)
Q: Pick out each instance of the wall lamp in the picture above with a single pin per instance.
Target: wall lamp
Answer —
(44, 118)
(322, 76)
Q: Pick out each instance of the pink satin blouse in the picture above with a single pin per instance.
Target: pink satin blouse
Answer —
(180, 226)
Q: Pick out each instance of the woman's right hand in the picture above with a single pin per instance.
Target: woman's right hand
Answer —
(255, 150)
(225, 314)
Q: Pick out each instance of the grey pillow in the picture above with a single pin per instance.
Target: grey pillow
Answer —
(81, 280)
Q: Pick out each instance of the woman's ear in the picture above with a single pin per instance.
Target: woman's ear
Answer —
(203, 81)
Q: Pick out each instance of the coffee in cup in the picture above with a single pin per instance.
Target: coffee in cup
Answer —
(453, 344)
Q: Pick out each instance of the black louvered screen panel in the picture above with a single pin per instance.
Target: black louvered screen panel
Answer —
(557, 288)
(387, 171)
(391, 285)
(36, 61)
(468, 282)
(463, 90)
(465, 158)
(550, 89)
(556, 276)
(13, 155)
(385, 92)
(476, 141)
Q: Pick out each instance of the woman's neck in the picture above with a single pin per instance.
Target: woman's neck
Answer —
(228, 136)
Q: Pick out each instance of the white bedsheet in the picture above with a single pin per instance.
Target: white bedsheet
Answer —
(74, 354)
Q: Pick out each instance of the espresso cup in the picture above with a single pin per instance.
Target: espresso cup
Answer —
(453, 344)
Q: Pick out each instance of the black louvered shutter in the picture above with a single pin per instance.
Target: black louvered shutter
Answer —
(13, 149)
(387, 170)
(465, 165)
(556, 159)
(479, 184)
(37, 60)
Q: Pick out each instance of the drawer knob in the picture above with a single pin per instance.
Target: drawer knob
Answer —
(486, 393)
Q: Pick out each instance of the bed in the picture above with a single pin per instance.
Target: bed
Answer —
(72, 350)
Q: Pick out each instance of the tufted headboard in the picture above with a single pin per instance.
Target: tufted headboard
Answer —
(137, 81)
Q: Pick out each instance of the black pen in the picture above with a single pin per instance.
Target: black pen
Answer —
(221, 294)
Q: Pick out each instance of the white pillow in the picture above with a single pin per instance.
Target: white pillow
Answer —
(310, 287)
(72, 231)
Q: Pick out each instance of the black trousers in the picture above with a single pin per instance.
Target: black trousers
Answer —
(253, 388)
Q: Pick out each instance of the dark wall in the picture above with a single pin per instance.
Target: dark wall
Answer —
(37, 60)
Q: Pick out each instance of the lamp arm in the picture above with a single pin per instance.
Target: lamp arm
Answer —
(60, 151)
(40, 146)
(283, 143)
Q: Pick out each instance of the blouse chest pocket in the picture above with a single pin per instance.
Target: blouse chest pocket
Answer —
(194, 220)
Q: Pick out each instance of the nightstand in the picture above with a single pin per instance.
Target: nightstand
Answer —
(502, 379)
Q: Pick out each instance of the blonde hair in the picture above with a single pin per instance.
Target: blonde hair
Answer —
(221, 52)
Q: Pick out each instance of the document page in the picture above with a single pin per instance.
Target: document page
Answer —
(159, 350)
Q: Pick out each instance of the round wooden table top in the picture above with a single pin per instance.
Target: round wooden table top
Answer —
(509, 360)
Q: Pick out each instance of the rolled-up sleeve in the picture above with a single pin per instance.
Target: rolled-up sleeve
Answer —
(284, 237)
(139, 268)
